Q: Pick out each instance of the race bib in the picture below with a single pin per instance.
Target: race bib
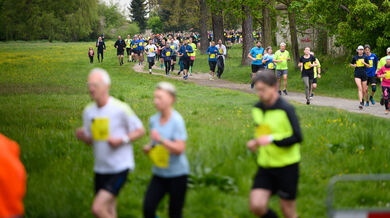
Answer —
(134, 46)
(151, 50)
(371, 62)
(387, 75)
(307, 65)
(100, 129)
(212, 56)
(271, 66)
(188, 54)
(145, 44)
(220, 51)
(140, 44)
(259, 56)
(283, 58)
(159, 156)
(262, 130)
(359, 63)
(172, 47)
(168, 53)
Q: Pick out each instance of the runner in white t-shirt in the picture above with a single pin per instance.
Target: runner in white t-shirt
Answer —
(110, 126)
(151, 51)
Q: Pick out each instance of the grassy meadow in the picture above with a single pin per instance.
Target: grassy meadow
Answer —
(43, 92)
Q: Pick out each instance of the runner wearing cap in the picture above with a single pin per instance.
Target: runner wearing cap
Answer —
(360, 62)
(167, 150)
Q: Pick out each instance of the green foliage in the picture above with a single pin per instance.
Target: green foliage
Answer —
(138, 13)
(155, 24)
(179, 15)
(355, 22)
(37, 19)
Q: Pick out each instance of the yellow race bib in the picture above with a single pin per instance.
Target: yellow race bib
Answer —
(212, 56)
(145, 44)
(307, 65)
(220, 51)
(168, 53)
(271, 66)
(172, 47)
(371, 62)
(387, 75)
(134, 46)
(100, 129)
(359, 63)
(159, 156)
(262, 130)
(151, 50)
(259, 56)
(140, 44)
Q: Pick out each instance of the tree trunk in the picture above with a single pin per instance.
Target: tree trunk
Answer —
(266, 33)
(247, 29)
(204, 42)
(294, 37)
(218, 30)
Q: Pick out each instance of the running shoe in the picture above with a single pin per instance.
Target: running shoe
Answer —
(285, 92)
(372, 100)
(367, 104)
(361, 105)
(178, 73)
(252, 85)
(312, 95)
(387, 112)
(382, 102)
(280, 92)
(307, 102)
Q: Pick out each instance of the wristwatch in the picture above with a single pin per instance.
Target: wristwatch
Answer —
(125, 139)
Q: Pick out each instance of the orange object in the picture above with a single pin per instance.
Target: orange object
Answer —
(12, 179)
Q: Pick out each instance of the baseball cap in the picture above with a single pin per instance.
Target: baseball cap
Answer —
(360, 47)
(388, 50)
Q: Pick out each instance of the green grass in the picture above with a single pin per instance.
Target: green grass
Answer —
(43, 92)
(337, 77)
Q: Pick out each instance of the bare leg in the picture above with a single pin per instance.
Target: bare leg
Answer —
(104, 204)
(288, 208)
(259, 201)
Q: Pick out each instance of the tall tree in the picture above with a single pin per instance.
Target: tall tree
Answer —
(291, 13)
(204, 43)
(266, 29)
(247, 29)
(138, 13)
(217, 19)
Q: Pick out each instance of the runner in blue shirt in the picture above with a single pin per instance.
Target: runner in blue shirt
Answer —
(268, 60)
(256, 55)
(213, 53)
(167, 54)
(184, 52)
(141, 49)
(371, 71)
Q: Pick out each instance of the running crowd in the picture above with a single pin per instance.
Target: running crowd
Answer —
(111, 126)
(166, 48)
(367, 69)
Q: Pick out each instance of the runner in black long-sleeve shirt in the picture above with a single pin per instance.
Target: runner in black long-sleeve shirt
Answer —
(101, 47)
(120, 49)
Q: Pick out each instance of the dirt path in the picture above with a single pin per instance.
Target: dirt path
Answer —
(338, 103)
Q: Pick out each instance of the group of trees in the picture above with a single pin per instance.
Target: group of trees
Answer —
(352, 22)
(67, 20)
